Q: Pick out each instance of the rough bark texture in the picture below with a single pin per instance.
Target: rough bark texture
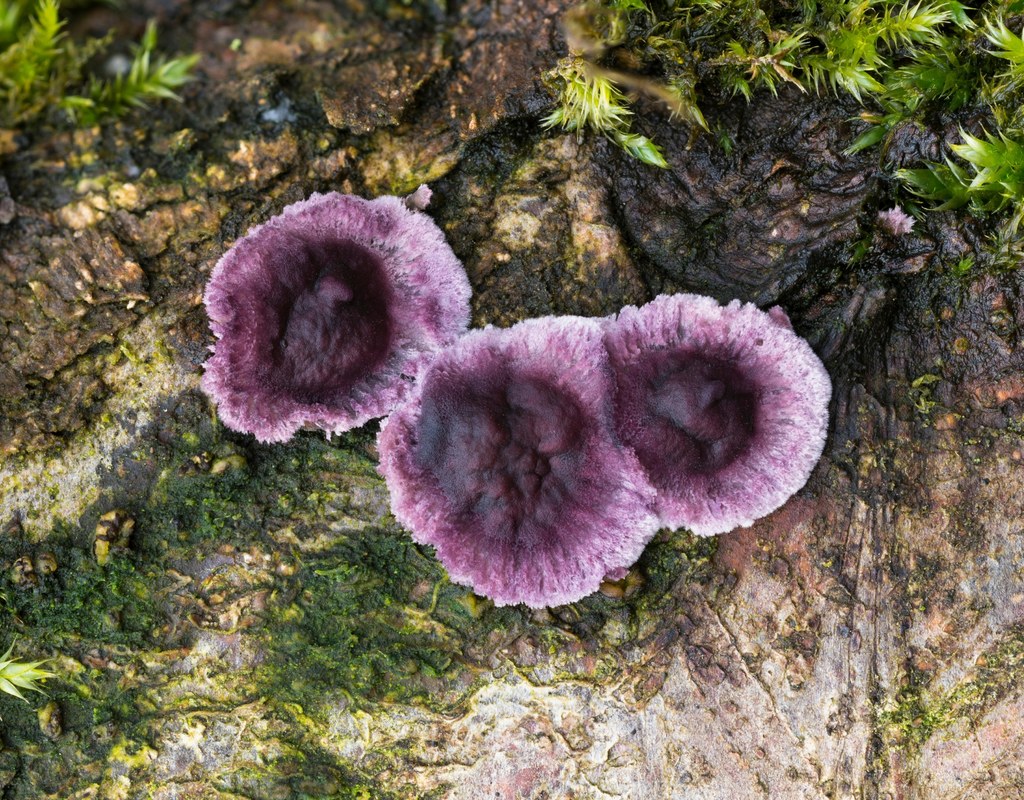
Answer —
(263, 629)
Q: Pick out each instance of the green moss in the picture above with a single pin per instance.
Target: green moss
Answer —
(592, 100)
(699, 50)
(907, 63)
(41, 69)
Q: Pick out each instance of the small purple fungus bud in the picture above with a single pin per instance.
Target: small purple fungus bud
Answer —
(505, 461)
(420, 199)
(895, 221)
(324, 314)
(726, 407)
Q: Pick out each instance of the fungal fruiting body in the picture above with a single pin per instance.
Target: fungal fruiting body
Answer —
(895, 221)
(324, 314)
(505, 461)
(725, 407)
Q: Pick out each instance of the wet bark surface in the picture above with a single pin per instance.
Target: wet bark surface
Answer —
(260, 627)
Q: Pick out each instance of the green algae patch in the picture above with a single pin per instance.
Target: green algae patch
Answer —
(913, 718)
(216, 486)
(81, 601)
(90, 621)
(352, 627)
(112, 605)
(347, 598)
(672, 555)
(307, 772)
(374, 620)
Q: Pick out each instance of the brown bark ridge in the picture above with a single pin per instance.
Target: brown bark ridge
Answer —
(231, 620)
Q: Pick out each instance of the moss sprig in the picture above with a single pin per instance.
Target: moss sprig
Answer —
(744, 46)
(29, 65)
(42, 69)
(985, 171)
(591, 100)
(148, 78)
(18, 675)
(990, 179)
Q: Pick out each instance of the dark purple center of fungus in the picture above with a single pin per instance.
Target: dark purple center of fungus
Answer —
(698, 413)
(505, 452)
(333, 322)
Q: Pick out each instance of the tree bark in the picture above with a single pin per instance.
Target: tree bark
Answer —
(263, 628)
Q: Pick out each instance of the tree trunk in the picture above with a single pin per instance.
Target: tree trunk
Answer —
(262, 628)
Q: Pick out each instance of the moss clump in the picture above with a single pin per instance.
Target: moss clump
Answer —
(690, 52)
(591, 100)
(906, 62)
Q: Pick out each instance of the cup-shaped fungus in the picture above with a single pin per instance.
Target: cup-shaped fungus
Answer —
(725, 406)
(504, 460)
(324, 314)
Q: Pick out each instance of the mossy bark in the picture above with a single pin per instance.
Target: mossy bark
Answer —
(263, 628)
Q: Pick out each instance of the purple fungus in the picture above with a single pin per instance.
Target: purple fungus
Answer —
(504, 460)
(895, 221)
(725, 406)
(325, 313)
